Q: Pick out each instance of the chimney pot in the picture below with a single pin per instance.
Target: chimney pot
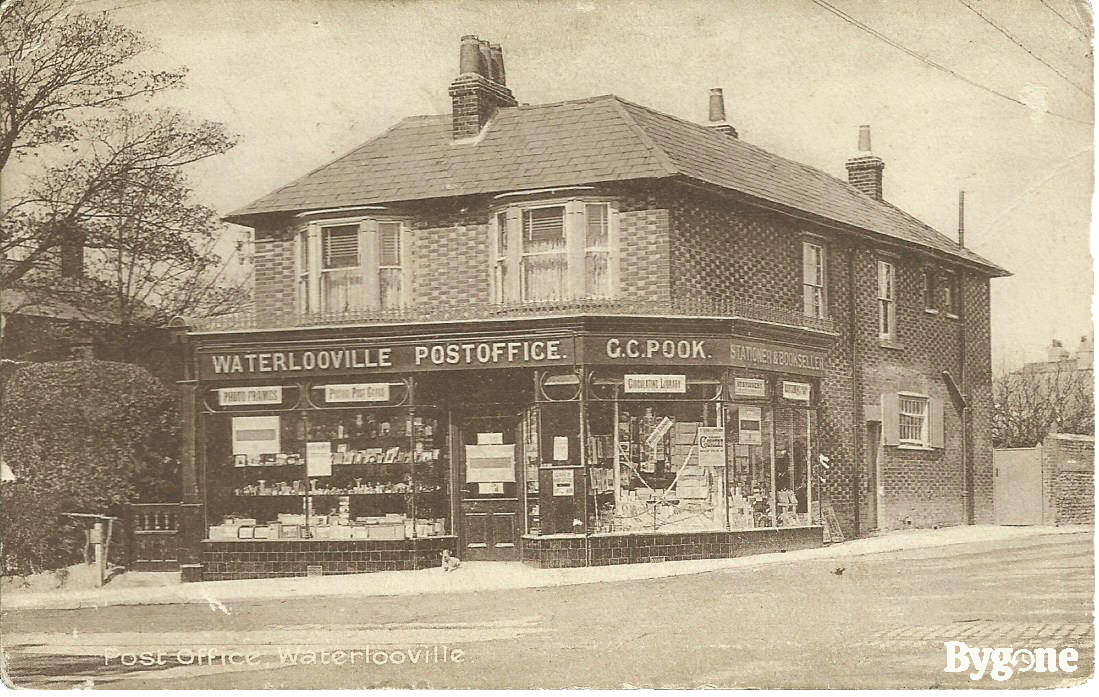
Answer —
(470, 60)
(717, 113)
(717, 105)
(864, 138)
(498, 64)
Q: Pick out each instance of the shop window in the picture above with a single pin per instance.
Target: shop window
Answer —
(354, 265)
(545, 253)
(887, 301)
(912, 420)
(812, 275)
(332, 473)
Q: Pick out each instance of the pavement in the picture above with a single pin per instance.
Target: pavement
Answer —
(473, 577)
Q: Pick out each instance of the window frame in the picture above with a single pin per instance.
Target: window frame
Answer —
(887, 304)
(923, 442)
(929, 286)
(820, 288)
(310, 262)
(951, 292)
(506, 282)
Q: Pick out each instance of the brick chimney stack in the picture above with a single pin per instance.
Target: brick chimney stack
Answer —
(480, 88)
(717, 114)
(864, 170)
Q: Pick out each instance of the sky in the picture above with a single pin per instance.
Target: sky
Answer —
(301, 82)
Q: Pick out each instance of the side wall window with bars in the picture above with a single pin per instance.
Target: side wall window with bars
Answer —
(353, 266)
(547, 253)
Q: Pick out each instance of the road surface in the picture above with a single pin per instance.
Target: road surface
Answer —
(880, 622)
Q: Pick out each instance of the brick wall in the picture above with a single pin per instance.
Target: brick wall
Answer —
(1068, 479)
(274, 289)
(725, 251)
(978, 341)
(721, 249)
(450, 255)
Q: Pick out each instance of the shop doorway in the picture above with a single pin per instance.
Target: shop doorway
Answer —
(489, 524)
(873, 444)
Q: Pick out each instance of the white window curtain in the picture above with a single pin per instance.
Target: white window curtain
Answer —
(390, 266)
(342, 278)
(597, 250)
(544, 267)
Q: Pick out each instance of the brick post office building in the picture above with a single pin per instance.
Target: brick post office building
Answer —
(582, 333)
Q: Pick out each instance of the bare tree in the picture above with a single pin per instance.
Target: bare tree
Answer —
(1037, 400)
(110, 180)
(58, 66)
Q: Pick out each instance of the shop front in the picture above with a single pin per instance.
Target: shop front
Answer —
(557, 446)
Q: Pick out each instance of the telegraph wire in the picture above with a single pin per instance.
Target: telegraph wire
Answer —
(1020, 44)
(939, 66)
(1064, 19)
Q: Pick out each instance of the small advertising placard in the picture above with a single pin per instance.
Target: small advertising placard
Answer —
(750, 425)
(254, 436)
(249, 396)
(711, 446)
(664, 384)
(564, 483)
(795, 390)
(318, 459)
(490, 463)
(357, 392)
(490, 439)
(658, 432)
(749, 387)
(560, 448)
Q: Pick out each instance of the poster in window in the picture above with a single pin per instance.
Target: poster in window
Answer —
(490, 463)
(318, 459)
(564, 483)
(560, 448)
(254, 436)
(711, 446)
(750, 425)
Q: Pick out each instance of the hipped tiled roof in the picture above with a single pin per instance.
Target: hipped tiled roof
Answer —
(600, 139)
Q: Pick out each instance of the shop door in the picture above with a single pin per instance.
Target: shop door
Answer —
(489, 522)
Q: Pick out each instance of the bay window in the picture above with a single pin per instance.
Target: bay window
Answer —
(352, 265)
(552, 252)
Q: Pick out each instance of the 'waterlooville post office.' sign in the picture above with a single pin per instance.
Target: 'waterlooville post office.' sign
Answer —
(357, 357)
